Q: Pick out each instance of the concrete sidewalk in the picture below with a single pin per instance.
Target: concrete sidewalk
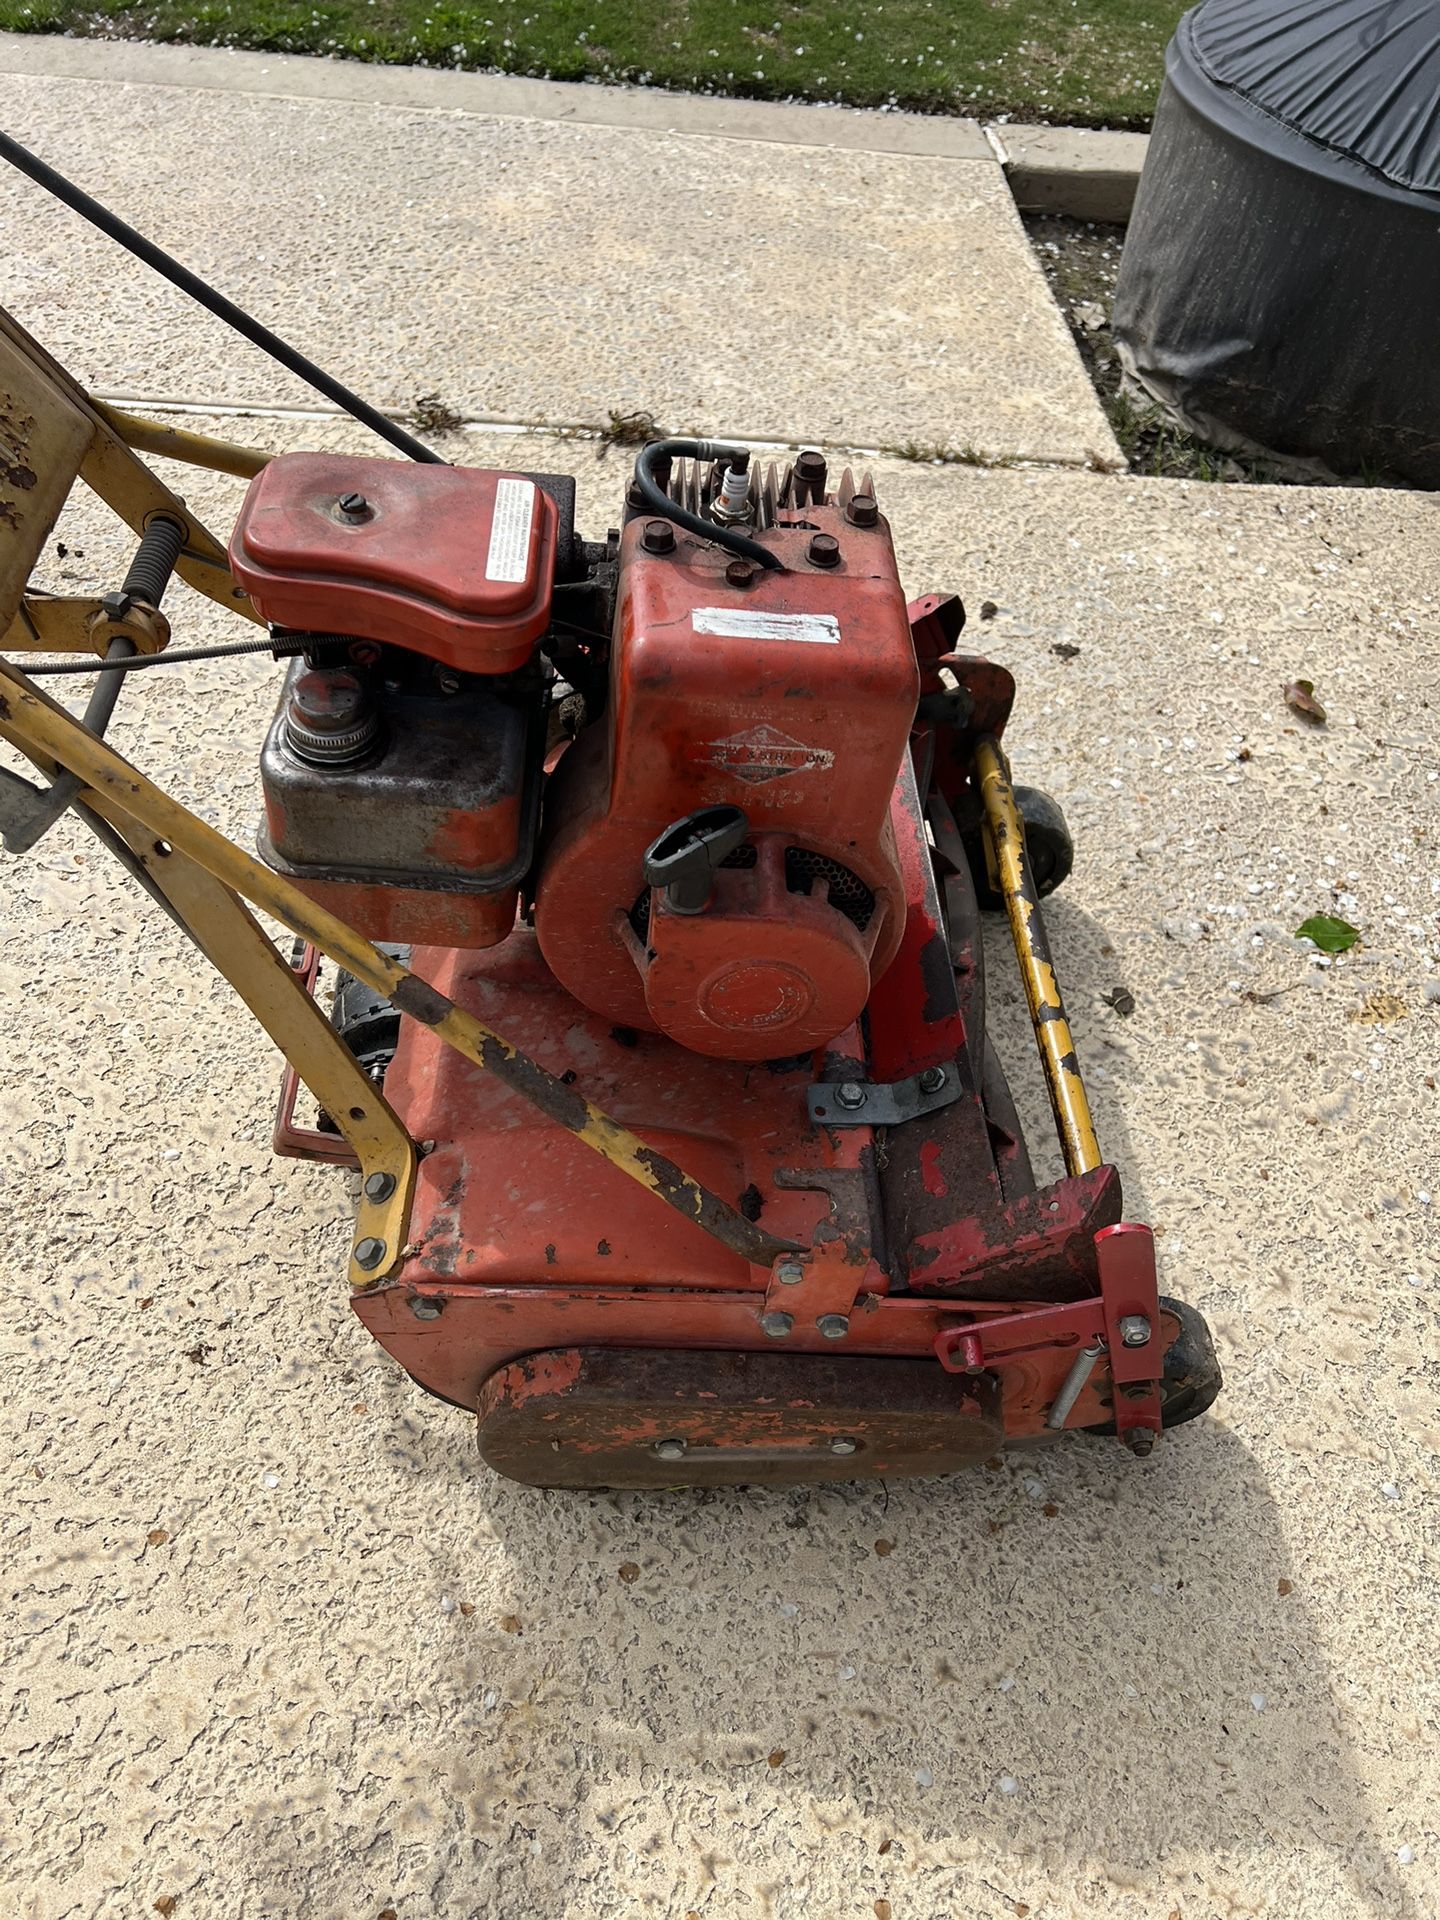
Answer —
(278, 1647)
(762, 283)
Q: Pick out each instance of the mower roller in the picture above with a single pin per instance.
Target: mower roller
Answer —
(645, 876)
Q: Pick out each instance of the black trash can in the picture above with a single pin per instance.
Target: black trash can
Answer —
(1279, 288)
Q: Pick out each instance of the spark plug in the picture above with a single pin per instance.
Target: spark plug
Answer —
(733, 505)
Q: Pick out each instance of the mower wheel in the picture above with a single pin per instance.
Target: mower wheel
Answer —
(1049, 850)
(1191, 1376)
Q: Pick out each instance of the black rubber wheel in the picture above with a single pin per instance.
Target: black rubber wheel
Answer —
(1191, 1377)
(1048, 848)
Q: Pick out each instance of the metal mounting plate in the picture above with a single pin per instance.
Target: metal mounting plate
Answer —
(881, 1103)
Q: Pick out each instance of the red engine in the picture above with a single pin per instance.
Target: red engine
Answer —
(721, 864)
(718, 862)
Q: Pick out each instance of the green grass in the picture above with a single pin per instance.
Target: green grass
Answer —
(1090, 62)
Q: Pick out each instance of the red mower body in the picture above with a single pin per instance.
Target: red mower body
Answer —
(748, 932)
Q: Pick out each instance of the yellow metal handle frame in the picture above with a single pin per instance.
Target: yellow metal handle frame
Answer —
(1006, 831)
(39, 727)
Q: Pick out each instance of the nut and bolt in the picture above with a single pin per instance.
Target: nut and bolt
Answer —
(634, 498)
(824, 550)
(658, 537)
(423, 1309)
(842, 1443)
(789, 1273)
(1140, 1441)
(379, 1186)
(863, 510)
(369, 1252)
(851, 1094)
(776, 1326)
(932, 1079)
(669, 1449)
(742, 573)
(1134, 1330)
(447, 680)
(353, 505)
(1137, 1390)
(833, 1326)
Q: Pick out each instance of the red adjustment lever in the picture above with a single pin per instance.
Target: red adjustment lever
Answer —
(1124, 1318)
(1131, 1301)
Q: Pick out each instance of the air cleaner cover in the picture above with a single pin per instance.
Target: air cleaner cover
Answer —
(453, 562)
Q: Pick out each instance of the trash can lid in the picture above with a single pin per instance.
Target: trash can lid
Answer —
(1360, 77)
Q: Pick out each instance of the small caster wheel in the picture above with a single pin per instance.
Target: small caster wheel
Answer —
(1049, 850)
(1190, 1375)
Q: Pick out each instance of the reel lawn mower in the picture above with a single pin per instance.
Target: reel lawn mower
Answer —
(649, 869)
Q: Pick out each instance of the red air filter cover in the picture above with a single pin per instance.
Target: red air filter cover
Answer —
(453, 562)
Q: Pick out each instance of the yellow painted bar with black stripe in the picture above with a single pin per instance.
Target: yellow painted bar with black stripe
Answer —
(1063, 1080)
(29, 719)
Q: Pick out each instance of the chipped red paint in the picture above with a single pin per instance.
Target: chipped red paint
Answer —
(530, 1242)
(647, 1419)
(931, 1171)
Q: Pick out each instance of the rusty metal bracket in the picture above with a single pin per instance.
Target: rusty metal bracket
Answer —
(1123, 1321)
(869, 1103)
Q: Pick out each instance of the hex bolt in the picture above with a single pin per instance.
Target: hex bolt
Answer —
(1134, 1330)
(369, 1252)
(932, 1079)
(1140, 1441)
(634, 498)
(842, 1443)
(658, 537)
(851, 1094)
(379, 1186)
(810, 477)
(353, 505)
(742, 573)
(863, 510)
(833, 1326)
(776, 1326)
(824, 550)
(1137, 1390)
(423, 1309)
(789, 1273)
(669, 1449)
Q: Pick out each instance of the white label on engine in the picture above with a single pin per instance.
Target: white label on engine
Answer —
(737, 623)
(509, 555)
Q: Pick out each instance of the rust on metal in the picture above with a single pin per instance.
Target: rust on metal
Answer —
(616, 1417)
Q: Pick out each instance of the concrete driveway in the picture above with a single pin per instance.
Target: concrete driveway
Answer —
(276, 1645)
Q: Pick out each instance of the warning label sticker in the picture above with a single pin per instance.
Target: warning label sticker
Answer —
(509, 555)
(763, 753)
(740, 623)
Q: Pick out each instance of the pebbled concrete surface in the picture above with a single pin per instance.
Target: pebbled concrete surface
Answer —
(534, 271)
(276, 1645)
